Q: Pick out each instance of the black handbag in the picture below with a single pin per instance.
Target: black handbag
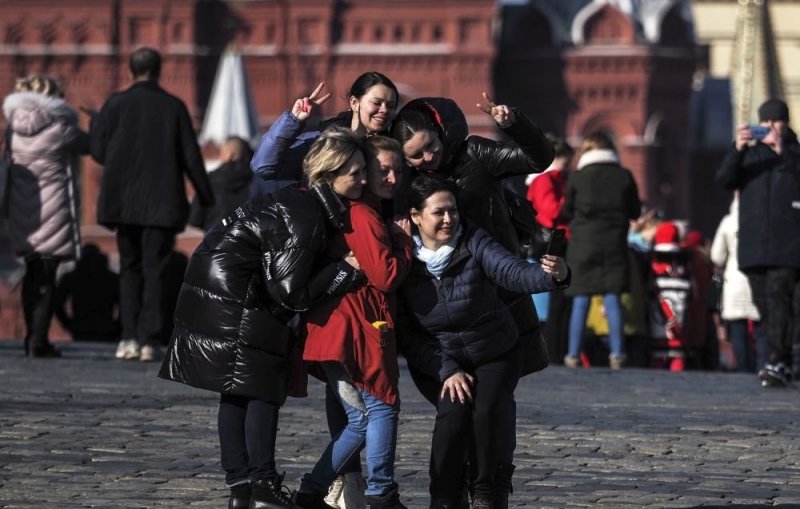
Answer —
(532, 239)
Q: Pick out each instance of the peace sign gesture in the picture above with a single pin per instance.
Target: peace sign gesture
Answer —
(304, 106)
(502, 114)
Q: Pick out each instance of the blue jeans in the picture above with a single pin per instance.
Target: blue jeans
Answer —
(743, 352)
(577, 323)
(370, 422)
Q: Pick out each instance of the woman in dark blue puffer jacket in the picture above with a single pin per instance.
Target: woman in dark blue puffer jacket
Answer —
(451, 296)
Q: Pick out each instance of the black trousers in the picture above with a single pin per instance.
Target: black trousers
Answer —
(38, 298)
(557, 327)
(248, 430)
(476, 426)
(143, 260)
(776, 294)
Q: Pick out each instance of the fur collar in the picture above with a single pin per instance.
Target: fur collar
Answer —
(54, 107)
(598, 156)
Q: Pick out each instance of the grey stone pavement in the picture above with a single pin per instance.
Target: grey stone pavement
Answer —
(89, 431)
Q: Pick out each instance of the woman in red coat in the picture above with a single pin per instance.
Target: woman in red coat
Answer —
(352, 338)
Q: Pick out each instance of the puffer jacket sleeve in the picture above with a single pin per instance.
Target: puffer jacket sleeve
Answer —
(530, 152)
(278, 160)
(506, 270)
(292, 274)
(719, 251)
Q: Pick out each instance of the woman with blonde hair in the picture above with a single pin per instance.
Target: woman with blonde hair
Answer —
(43, 142)
(245, 282)
(600, 200)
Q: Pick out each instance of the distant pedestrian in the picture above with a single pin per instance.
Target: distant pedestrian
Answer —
(765, 171)
(230, 181)
(737, 307)
(253, 271)
(44, 141)
(144, 138)
(601, 199)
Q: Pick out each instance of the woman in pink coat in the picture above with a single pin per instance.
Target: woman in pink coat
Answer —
(44, 141)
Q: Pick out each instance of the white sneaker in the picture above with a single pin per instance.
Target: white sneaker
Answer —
(148, 353)
(335, 492)
(353, 493)
(127, 349)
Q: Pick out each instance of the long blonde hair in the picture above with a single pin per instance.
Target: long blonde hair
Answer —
(597, 140)
(329, 152)
(40, 84)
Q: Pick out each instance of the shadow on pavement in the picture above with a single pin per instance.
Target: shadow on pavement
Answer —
(746, 506)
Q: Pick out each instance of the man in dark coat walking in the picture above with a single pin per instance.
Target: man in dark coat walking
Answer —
(765, 168)
(144, 138)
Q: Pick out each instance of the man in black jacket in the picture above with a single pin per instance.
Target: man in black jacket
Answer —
(144, 138)
(764, 165)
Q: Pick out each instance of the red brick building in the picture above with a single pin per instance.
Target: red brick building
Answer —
(574, 66)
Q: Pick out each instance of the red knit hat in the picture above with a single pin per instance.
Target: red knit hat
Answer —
(667, 239)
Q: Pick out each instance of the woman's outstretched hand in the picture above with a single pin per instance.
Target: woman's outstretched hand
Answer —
(458, 386)
(502, 114)
(555, 266)
(304, 106)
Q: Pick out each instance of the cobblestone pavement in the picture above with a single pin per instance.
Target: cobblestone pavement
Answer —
(89, 431)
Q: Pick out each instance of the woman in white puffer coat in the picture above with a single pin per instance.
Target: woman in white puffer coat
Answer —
(44, 141)
(737, 307)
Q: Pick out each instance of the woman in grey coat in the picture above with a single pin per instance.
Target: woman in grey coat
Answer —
(44, 141)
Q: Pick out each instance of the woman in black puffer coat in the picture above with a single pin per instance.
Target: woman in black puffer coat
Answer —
(253, 271)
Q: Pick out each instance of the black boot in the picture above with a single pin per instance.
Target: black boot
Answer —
(311, 501)
(390, 500)
(46, 351)
(240, 497)
(482, 503)
(270, 494)
(502, 485)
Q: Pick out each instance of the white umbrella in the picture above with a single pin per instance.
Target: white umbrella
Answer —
(230, 109)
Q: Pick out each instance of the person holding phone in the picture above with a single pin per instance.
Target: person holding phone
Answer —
(766, 173)
(600, 200)
(451, 298)
(434, 135)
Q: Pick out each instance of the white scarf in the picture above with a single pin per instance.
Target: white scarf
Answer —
(437, 260)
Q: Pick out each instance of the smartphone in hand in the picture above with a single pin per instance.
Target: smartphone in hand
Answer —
(758, 131)
(557, 245)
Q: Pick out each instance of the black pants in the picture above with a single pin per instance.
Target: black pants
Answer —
(475, 426)
(143, 259)
(557, 327)
(776, 294)
(38, 298)
(248, 429)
